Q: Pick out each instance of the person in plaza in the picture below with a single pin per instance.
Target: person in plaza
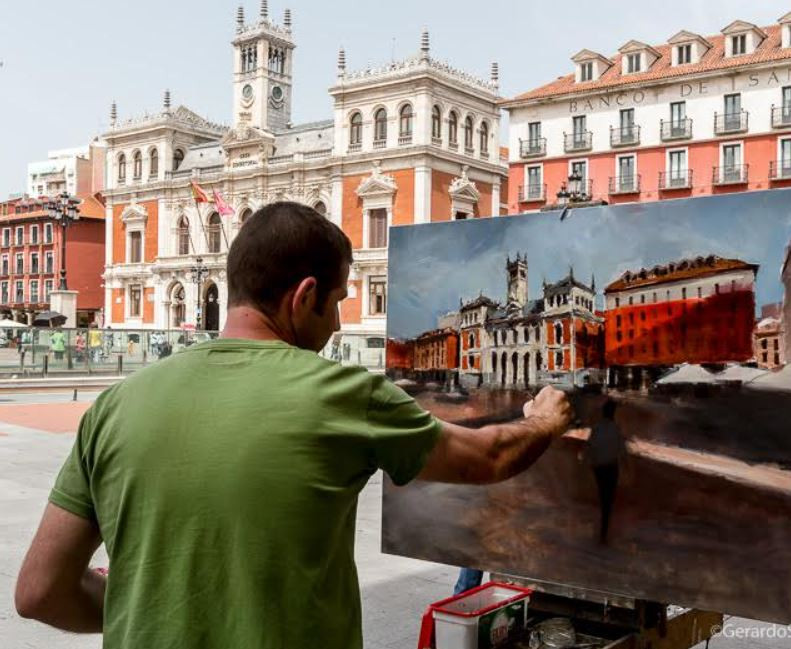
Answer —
(57, 344)
(224, 480)
(79, 347)
(95, 343)
(605, 450)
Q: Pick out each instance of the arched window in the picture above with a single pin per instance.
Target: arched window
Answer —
(178, 305)
(153, 163)
(453, 128)
(356, 129)
(484, 137)
(121, 168)
(380, 125)
(137, 165)
(183, 236)
(246, 214)
(468, 132)
(213, 231)
(321, 208)
(405, 121)
(436, 123)
(178, 158)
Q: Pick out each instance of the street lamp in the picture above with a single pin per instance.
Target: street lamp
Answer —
(573, 191)
(198, 272)
(63, 209)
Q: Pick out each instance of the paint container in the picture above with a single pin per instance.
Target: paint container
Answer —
(492, 615)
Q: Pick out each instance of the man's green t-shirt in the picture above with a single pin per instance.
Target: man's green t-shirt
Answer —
(224, 481)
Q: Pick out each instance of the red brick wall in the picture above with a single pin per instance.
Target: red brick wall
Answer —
(84, 261)
(118, 305)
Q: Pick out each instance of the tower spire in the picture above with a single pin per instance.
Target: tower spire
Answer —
(287, 19)
(495, 73)
(264, 10)
(113, 113)
(341, 62)
(166, 102)
(240, 18)
(424, 45)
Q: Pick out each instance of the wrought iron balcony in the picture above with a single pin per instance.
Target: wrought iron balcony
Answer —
(678, 179)
(625, 136)
(780, 170)
(582, 141)
(577, 191)
(625, 184)
(532, 192)
(781, 116)
(727, 123)
(730, 175)
(680, 129)
(533, 148)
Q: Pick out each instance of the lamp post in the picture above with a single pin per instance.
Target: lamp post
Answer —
(63, 209)
(198, 272)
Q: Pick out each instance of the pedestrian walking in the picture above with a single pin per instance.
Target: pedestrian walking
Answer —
(57, 344)
(223, 480)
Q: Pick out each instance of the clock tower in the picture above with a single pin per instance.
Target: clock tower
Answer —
(263, 54)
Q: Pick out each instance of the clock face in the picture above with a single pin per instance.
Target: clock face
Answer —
(247, 92)
(277, 93)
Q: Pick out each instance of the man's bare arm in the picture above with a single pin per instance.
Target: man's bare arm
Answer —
(500, 451)
(55, 584)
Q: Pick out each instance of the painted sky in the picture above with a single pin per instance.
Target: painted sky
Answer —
(431, 266)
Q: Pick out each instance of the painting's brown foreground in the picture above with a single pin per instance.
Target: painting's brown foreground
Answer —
(691, 526)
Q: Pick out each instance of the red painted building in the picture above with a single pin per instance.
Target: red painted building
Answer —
(698, 310)
(437, 351)
(30, 258)
(400, 354)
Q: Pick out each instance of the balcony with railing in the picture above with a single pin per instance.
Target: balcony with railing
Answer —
(354, 147)
(436, 141)
(483, 154)
(532, 192)
(532, 148)
(727, 123)
(405, 140)
(453, 145)
(626, 136)
(677, 179)
(780, 169)
(580, 141)
(730, 175)
(675, 129)
(628, 184)
(781, 116)
(380, 144)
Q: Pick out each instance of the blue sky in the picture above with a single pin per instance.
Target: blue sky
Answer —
(64, 62)
(431, 266)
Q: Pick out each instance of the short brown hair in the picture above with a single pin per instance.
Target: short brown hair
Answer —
(279, 246)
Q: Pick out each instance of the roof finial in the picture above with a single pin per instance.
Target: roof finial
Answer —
(113, 113)
(424, 45)
(167, 101)
(341, 62)
(240, 18)
(495, 73)
(264, 9)
(593, 282)
(287, 19)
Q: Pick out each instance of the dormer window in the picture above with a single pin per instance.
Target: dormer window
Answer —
(785, 31)
(688, 48)
(739, 45)
(590, 66)
(684, 54)
(633, 63)
(742, 38)
(586, 71)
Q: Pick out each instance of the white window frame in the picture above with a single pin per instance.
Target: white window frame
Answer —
(571, 163)
(780, 140)
(7, 237)
(4, 288)
(7, 260)
(586, 66)
(129, 232)
(368, 281)
(683, 47)
(49, 255)
(634, 57)
(732, 143)
(18, 283)
(49, 285)
(129, 301)
(617, 173)
(34, 241)
(540, 167)
(374, 203)
(38, 258)
(31, 292)
(17, 256)
(17, 230)
(678, 149)
(49, 229)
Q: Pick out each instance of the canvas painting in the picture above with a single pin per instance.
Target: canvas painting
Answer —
(670, 322)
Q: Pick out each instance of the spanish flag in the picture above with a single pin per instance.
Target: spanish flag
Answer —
(198, 194)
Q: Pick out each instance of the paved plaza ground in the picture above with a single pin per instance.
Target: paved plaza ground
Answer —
(36, 433)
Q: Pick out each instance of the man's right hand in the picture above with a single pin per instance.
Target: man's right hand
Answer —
(553, 407)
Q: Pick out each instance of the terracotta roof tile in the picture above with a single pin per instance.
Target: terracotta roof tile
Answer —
(714, 59)
(676, 271)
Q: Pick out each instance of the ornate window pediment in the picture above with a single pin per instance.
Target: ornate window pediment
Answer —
(377, 184)
(134, 215)
(463, 189)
